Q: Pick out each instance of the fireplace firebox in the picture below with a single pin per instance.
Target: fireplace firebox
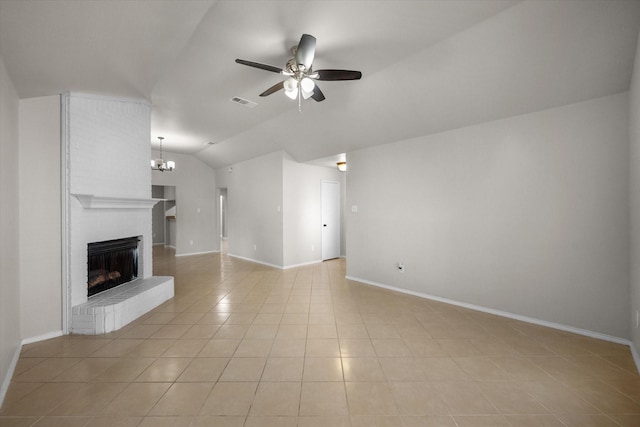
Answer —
(111, 263)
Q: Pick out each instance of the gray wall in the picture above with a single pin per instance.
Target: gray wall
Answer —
(40, 229)
(527, 215)
(9, 232)
(634, 160)
(196, 216)
(254, 202)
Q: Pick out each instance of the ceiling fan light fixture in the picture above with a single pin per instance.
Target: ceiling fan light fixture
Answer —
(307, 85)
(293, 94)
(299, 74)
(291, 85)
(291, 88)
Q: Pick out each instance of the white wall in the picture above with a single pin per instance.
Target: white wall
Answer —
(9, 232)
(527, 215)
(196, 214)
(254, 202)
(634, 164)
(40, 217)
(302, 210)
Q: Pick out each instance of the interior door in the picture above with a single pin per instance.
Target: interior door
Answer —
(330, 220)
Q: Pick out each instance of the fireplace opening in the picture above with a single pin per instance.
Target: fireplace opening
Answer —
(111, 263)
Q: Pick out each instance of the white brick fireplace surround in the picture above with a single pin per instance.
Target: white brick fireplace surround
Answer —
(107, 189)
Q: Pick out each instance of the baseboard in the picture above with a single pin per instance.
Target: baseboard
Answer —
(279, 267)
(304, 264)
(9, 375)
(506, 314)
(47, 336)
(636, 356)
(197, 253)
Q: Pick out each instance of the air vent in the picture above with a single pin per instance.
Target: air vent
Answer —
(244, 102)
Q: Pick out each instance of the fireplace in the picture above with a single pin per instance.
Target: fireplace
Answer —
(106, 183)
(111, 263)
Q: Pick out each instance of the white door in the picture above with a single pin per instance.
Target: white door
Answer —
(330, 220)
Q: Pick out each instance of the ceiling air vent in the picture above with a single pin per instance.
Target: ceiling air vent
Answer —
(244, 102)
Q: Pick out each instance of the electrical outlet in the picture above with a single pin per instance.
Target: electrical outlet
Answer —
(255, 247)
(313, 247)
(191, 242)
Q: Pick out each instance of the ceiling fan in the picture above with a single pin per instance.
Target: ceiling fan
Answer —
(300, 74)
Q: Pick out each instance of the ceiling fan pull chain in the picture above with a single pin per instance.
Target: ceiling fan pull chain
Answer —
(299, 99)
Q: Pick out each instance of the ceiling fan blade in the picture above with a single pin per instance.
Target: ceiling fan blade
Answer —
(317, 94)
(338, 75)
(306, 51)
(276, 87)
(259, 65)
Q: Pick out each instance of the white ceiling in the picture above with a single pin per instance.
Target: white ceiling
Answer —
(427, 66)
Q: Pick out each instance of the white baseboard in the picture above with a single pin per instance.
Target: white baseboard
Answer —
(636, 356)
(506, 314)
(256, 261)
(286, 267)
(197, 253)
(47, 336)
(7, 379)
(279, 267)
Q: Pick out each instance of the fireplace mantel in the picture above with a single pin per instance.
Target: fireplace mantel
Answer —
(90, 201)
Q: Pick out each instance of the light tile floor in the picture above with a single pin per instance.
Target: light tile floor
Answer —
(247, 345)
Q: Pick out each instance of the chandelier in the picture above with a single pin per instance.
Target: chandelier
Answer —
(160, 164)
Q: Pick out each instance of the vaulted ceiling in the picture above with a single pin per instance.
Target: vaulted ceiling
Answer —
(428, 66)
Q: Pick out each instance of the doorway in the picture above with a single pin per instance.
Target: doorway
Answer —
(222, 214)
(164, 227)
(330, 220)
